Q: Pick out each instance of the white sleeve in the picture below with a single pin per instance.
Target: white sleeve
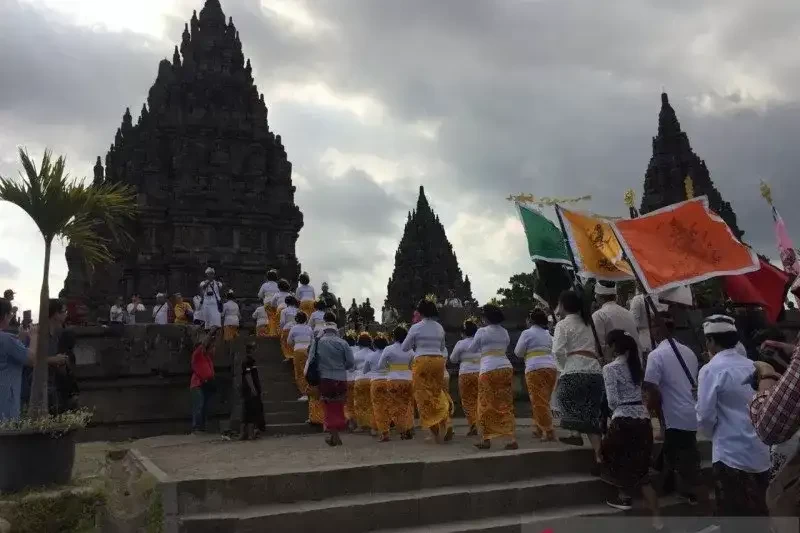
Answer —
(522, 345)
(707, 388)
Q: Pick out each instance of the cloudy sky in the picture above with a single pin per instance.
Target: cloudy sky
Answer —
(474, 99)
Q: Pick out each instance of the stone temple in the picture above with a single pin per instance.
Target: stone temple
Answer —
(214, 183)
(673, 159)
(424, 263)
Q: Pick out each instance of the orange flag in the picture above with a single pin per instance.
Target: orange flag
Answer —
(595, 247)
(681, 244)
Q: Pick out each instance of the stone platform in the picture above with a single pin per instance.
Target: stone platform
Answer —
(298, 483)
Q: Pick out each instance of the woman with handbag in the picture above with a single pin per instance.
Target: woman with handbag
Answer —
(202, 384)
(330, 359)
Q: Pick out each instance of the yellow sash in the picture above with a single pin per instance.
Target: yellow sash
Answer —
(493, 353)
(536, 353)
(398, 367)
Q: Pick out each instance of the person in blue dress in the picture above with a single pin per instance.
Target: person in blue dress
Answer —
(13, 357)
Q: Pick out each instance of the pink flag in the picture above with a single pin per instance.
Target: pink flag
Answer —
(785, 245)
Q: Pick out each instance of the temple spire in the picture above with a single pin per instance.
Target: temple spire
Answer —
(673, 160)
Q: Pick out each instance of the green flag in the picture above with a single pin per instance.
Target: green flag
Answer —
(545, 241)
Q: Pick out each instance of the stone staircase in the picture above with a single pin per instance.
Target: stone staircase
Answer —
(520, 491)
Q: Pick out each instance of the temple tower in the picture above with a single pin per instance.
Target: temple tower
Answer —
(672, 161)
(214, 183)
(424, 262)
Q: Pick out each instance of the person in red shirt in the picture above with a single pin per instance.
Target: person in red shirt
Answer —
(202, 383)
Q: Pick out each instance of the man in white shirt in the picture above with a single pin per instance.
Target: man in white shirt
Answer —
(611, 316)
(134, 307)
(644, 318)
(117, 313)
(161, 309)
(670, 393)
(741, 462)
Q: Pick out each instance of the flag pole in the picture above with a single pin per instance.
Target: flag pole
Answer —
(599, 346)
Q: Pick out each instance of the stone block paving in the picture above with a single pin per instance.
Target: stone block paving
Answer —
(183, 457)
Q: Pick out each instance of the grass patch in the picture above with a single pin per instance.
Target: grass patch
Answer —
(71, 510)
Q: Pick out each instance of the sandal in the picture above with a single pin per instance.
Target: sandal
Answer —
(512, 446)
(473, 430)
(484, 445)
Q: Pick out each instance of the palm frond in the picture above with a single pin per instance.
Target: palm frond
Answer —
(68, 208)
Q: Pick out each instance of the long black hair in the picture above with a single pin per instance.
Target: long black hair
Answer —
(623, 343)
(572, 303)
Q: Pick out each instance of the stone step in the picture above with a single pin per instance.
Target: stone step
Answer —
(212, 495)
(296, 428)
(590, 518)
(286, 417)
(369, 512)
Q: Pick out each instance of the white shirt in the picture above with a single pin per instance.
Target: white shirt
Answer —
(426, 337)
(393, 359)
(198, 310)
(132, 312)
(371, 368)
(230, 313)
(492, 343)
(470, 362)
(453, 302)
(287, 317)
(572, 335)
(624, 396)
(723, 400)
(117, 314)
(267, 291)
(638, 308)
(161, 313)
(664, 371)
(317, 320)
(278, 298)
(360, 357)
(300, 337)
(305, 293)
(535, 346)
(260, 314)
(613, 316)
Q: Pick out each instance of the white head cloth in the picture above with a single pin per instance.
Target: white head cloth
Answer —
(210, 270)
(605, 288)
(719, 324)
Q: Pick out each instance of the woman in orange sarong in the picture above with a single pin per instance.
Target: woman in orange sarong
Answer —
(362, 394)
(426, 339)
(275, 306)
(230, 317)
(299, 341)
(468, 370)
(392, 395)
(286, 323)
(266, 293)
(349, 407)
(379, 393)
(261, 316)
(535, 346)
(495, 383)
(305, 294)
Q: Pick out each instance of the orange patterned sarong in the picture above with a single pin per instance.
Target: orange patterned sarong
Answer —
(540, 389)
(307, 306)
(299, 364)
(433, 403)
(230, 332)
(496, 404)
(262, 331)
(468, 392)
(287, 352)
(316, 409)
(392, 402)
(272, 325)
(349, 407)
(365, 417)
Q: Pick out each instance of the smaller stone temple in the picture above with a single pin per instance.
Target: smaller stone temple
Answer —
(424, 263)
(672, 161)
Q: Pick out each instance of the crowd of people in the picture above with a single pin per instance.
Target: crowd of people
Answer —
(606, 375)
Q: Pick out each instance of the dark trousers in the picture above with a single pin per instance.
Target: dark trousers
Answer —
(679, 455)
(740, 498)
(200, 398)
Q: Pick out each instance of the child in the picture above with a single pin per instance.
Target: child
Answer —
(252, 408)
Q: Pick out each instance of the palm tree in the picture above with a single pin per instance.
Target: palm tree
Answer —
(80, 214)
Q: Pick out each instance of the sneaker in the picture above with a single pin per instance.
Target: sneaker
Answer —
(691, 499)
(623, 504)
(303, 398)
